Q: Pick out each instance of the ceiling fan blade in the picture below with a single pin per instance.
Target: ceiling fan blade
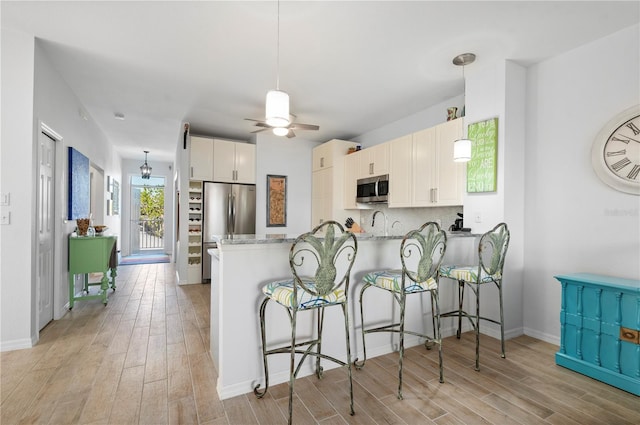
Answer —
(259, 130)
(291, 134)
(263, 124)
(251, 119)
(301, 126)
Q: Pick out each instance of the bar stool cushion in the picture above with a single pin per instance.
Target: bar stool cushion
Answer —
(282, 292)
(467, 273)
(391, 280)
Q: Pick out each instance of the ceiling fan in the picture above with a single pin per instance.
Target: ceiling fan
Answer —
(286, 130)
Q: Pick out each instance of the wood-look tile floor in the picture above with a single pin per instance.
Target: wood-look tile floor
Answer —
(143, 359)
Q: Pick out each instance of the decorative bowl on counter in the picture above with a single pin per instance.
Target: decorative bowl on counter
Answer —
(99, 229)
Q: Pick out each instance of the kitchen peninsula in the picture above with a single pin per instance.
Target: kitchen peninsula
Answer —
(243, 264)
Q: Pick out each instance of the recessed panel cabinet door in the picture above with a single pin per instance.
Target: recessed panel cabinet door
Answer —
(400, 172)
(224, 161)
(423, 159)
(449, 175)
(201, 160)
(245, 161)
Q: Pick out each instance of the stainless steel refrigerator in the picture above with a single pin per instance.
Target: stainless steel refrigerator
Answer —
(229, 209)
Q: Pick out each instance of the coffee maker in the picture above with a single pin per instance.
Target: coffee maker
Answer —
(457, 224)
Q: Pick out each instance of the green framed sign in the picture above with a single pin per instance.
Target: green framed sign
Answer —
(482, 169)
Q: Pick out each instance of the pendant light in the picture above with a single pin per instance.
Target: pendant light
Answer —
(277, 104)
(462, 147)
(145, 170)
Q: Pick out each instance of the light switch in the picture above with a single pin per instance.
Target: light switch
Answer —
(4, 199)
(5, 217)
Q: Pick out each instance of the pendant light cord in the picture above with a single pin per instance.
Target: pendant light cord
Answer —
(278, 51)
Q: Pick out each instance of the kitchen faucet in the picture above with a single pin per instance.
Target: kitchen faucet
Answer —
(373, 220)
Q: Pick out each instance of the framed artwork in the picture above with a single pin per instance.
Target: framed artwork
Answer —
(276, 201)
(482, 169)
(115, 198)
(109, 207)
(109, 184)
(79, 185)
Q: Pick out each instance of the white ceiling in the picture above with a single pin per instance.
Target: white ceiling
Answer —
(349, 67)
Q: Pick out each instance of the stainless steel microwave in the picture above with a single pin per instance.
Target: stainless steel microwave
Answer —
(373, 189)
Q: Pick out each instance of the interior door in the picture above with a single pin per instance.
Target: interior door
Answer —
(46, 203)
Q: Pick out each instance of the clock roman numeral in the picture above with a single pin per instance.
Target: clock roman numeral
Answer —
(615, 153)
(633, 128)
(617, 166)
(620, 140)
(633, 174)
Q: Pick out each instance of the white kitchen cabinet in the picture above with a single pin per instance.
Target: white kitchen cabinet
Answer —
(374, 161)
(328, 181)
(234, 162)
(437, 179)
(201, 158)
(422, 172)
(401, 172)
(323, 156)
(450, 176)
(351, 163)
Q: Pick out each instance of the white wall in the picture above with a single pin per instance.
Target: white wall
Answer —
(576, 223)
(291, 158)
(17, 321)
(427, 118)
(34, 93)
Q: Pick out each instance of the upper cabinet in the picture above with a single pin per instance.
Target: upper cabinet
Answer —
(234, 162)
(323, 156)
(373, 161)
(328, 181)
(201, 160)
(422, 171)
(401, 171)
(222, 160)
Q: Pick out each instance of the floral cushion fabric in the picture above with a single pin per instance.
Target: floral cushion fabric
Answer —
(282, 292)
(467, 273)
(392, 281)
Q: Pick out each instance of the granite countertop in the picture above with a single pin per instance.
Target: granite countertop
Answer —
(289, 238)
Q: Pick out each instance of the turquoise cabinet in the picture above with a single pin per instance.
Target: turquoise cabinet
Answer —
(600, 328)
(88, 254)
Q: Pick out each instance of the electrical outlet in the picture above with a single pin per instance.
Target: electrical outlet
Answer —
(4, 199)
(478, 217)
(5, 217)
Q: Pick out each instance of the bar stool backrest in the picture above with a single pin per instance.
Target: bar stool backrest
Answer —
(321, 260)
(492, 250)
(421, 252)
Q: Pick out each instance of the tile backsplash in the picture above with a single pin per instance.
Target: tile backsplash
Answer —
(400, 220)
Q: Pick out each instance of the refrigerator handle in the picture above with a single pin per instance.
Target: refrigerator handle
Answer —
(233, 213)
(229, 222)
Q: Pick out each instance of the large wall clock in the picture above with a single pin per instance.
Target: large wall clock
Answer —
(615, 154)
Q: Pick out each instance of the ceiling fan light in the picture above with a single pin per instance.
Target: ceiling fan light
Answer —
(280, 131)
(277, 108)
(462, 150)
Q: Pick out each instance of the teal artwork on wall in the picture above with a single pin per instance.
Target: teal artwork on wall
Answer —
(78, 196)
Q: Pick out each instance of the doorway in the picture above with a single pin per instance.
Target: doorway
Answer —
(146, 228)
(45, 212)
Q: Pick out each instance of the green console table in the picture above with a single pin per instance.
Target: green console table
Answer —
(92, 254)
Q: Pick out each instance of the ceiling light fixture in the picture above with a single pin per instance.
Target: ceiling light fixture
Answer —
(119, 116)
(280, 131)
(144, 168)
(277, 104)
(462, 147)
